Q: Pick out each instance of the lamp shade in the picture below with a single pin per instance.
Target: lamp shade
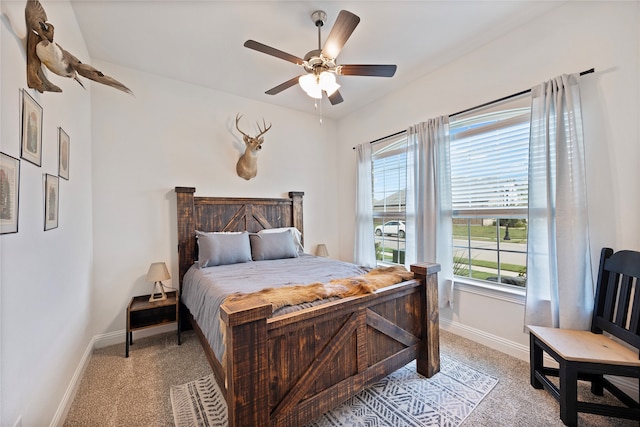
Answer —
(314, 84)
(158, 272)
(309, 83)
(321, 250)
(328, 82)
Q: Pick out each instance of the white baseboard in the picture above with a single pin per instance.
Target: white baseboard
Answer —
(118, 337)
(495, 342)
(70, 393)
(110, 338)
(520, 351)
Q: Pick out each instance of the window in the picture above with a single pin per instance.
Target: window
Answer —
(389, 170)
(489, 152)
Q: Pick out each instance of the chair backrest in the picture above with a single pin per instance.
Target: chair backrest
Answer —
(617, 302)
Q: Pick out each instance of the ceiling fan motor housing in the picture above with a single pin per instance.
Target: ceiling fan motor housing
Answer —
(316, 63)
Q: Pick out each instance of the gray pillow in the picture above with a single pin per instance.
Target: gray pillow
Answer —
(222, 248)
(295, 234)
(272, 246)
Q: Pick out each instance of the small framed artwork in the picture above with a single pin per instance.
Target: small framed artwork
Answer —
(9, 193)
(63, 154)
(51, 201)
(31, 138)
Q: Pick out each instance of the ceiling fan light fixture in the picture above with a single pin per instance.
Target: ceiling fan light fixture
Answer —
(328, 82)
(314, 84)
(315, 93)
(309, 83)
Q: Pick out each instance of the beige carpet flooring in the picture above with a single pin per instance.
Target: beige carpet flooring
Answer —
(116, 391)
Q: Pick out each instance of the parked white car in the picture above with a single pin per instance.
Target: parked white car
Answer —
(391, 228)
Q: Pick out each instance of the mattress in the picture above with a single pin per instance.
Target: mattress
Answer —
(205, 289)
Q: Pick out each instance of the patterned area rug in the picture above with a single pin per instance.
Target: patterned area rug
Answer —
(403, 398)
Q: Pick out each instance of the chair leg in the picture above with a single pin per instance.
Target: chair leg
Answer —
(535, 362)
(568, 393)
(597, 385)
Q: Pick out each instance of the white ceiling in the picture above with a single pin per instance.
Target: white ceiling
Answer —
(201, 42)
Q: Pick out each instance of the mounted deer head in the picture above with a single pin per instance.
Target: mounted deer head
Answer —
(247, 166)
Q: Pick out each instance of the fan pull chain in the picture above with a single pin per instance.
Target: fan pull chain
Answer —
(315, 104)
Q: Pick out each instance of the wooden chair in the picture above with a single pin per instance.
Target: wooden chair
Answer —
(589, 355)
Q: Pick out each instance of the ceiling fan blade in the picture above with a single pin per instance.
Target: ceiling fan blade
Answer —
(340, 33)
(335, 98)
(367, 70)
(252, 44)
(283, 86)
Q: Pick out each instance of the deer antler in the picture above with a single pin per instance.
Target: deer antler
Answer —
(262, 132)
(238, 117)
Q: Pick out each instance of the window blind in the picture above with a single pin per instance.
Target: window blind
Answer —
(389, 174)
(489, 163)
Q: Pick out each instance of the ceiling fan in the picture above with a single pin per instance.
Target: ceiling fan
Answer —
(320, 64)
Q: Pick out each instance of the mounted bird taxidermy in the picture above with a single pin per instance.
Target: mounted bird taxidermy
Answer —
(247, 166)
(42, 50)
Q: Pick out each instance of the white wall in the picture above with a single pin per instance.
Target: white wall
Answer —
(572, 38)
(45, 277)
(61, 288)
(176, 134)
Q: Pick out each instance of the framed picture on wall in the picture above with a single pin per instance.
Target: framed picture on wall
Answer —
(51, 201)
(31, 136)
(63, 154)
(9, 193)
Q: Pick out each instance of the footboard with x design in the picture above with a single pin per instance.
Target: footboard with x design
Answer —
(289, 369)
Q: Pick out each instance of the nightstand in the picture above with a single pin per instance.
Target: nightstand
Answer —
(142, 314)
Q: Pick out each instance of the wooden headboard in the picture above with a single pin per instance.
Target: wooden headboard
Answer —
(229, 214)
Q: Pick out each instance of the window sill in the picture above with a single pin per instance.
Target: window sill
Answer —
(505, 293)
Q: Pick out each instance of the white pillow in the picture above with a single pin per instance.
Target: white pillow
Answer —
(295, 235)
(223, 248)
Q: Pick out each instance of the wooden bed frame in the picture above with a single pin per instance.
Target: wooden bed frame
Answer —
(290, 369)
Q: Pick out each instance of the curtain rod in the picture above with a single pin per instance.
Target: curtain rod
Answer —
(504, 98)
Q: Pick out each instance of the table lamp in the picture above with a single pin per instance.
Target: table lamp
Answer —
(321, 250)
(157, 273)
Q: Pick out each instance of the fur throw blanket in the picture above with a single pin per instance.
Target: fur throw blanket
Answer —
(342, 288)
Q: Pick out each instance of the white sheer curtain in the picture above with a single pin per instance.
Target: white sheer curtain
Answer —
(559, 279)
(428, 201)
(364, 249)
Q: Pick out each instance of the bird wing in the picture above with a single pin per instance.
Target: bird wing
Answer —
(86, 70)
(34, 14)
